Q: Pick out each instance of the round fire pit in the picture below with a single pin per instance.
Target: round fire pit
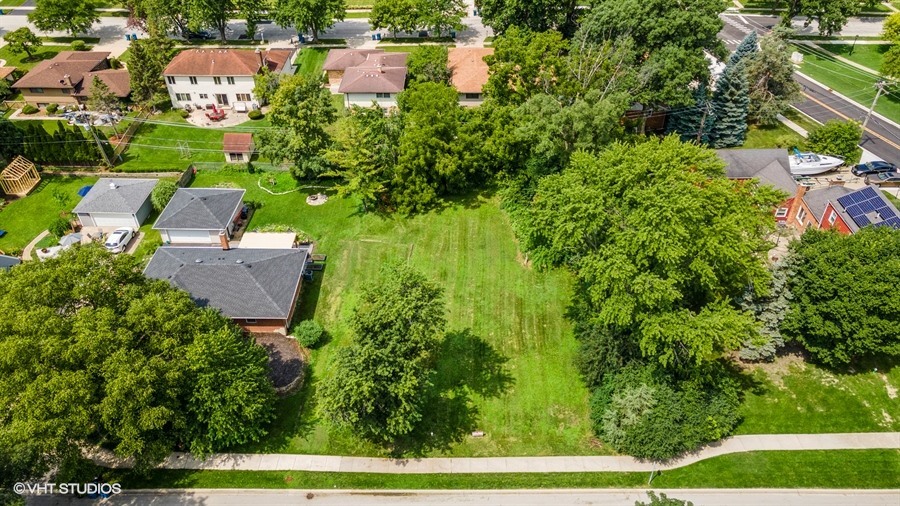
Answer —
(317, 199)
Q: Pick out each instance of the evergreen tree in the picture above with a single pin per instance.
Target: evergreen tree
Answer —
(730, 103)
(693, 123)
(748, 47)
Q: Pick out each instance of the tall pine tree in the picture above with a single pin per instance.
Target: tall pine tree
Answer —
(730, 104)
(693, 123)
(747, 47)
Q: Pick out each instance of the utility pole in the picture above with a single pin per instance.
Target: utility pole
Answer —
(100, 145)
(880, 86)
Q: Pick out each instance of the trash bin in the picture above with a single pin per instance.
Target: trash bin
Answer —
(373, 37)
(127, 37)
(377, 36)
(301, 38)
(133, 36)
(452, 35)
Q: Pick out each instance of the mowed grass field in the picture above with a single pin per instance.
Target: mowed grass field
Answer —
(25, 218)
(868, 55)
(508, 338)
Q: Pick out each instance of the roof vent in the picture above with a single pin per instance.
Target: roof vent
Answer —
(198, 261)
(238, 261)
(112, 185)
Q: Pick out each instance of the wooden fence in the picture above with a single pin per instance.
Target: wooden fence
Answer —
(126, 136)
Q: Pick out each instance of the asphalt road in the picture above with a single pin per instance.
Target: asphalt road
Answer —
(606, 497)
(881, 139)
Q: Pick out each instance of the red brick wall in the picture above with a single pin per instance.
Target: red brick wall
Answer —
(839, 223)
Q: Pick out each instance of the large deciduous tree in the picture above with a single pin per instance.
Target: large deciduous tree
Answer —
(839, 138)
(72, 16)
(380, 381)
(159, 17)
(890, 66)
(22, 40)
(93, 353)
(395, 16)
(536, 15)
(428, 63)
(300, 111)
(149, 58)
(845, 291)
(525, 63)
(770, 77)
(831, 15)
(313, 16)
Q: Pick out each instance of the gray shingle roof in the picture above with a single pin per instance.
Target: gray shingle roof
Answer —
(770, 166)
(7, 261)
(127, 196)
(200, 209)
(817, 200)
(261, 286)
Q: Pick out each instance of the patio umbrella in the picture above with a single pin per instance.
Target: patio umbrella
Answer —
(70, 239)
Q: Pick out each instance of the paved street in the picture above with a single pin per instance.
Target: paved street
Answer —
(606, 497)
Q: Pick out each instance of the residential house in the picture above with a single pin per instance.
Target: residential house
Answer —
(339, 60)
(201, 216)
(114, 202)
(844, 209)
(7, 73)
(203, 78)
(469, 72)
(768, 166)
(238, 147)
(66, 79)
(257, 288)
(378, 79)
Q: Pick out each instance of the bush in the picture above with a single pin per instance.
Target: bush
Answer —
(255, 114)
(79, 45)
(60, 227)
(29, 109)
(183, 113)
(114, 63)
(52, 108)
(838, 138)
(308, 333)
(162, 194)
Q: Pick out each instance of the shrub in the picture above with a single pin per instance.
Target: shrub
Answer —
(114, 63)
(79, 45)
(29, 109)
(183, 113)
(162, 194)
(52, 108)
(255, 114)
(308, 333)
(60, 227)
(839, 138)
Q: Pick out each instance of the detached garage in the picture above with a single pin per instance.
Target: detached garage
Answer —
(201, 216)
(113, 203)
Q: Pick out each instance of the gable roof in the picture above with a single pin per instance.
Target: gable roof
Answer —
(817, 200)
(118, 81)
(52, 73)
(241, 283)
(770, 166)
(342, 59)
(867, 206)
(468, 70)
(373, 80)
(200, 209)
(237, 142)
(113, 195)
(378, 60)
(226, 62)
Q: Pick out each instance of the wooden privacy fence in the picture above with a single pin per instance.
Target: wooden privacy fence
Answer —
(126, 136)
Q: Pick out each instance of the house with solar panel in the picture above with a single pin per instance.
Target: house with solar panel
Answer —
(843, 209)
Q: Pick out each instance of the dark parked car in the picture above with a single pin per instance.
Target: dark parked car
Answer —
(874, 167)
(202, 34)
(884, 179)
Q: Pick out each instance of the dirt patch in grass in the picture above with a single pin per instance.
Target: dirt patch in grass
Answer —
(784, 364)
(286, 362)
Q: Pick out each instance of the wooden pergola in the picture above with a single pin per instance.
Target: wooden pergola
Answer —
(19, 177)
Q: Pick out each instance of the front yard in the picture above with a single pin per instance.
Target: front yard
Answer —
(23, 62)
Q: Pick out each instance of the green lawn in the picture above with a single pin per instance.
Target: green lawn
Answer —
(25, 218)
(801, 119)
(848, 80)
(868, 55)
(155, 147)
(310, 60)
(795, 397)
(357, 15)
(509, 341)
(11, 3)
(862, 469)
(771, 137)
(22, 61)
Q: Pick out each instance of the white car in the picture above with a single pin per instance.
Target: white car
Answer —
(119, 239)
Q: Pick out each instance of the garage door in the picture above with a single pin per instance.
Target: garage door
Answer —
(113, 220)
(189, 236)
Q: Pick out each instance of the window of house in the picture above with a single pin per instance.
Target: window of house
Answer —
(801, 214)
(183, 97)
(36, 90)
(243, 97)
(170, 79)
(781, 212)
(473, 96)
(236, 157)
(204, 95)
(193, 80)
(250, 320)
(382, 95)
(230, 80)
(832, 217)
(217, 80)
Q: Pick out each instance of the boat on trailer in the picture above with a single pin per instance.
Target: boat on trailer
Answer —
(811, 164)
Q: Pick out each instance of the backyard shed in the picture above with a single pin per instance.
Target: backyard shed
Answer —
(238, 147)
(19, 177)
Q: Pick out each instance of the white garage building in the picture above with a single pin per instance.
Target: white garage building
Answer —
(201, 216)
(114, 202)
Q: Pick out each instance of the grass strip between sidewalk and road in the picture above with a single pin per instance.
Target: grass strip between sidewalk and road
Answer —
(864, 469)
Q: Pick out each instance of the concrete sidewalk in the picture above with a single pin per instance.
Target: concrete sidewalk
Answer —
(737, 444)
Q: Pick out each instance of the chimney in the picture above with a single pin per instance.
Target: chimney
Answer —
(260, 56)
(223, 239)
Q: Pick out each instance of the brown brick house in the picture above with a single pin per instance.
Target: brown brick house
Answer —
(66, 79)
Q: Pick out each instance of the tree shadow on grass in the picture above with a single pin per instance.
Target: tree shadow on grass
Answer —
(467, 365)
(294, 418)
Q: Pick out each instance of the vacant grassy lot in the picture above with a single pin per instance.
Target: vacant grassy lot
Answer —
(25, 62)
(864, 469)
(869, 55)
(25, 218)
(847, 80)
(508, 344)
(790, 397)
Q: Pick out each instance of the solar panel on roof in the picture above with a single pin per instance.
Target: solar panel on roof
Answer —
(869, 193)
(867, 200)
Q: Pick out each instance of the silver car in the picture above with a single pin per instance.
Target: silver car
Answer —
(119, 239)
